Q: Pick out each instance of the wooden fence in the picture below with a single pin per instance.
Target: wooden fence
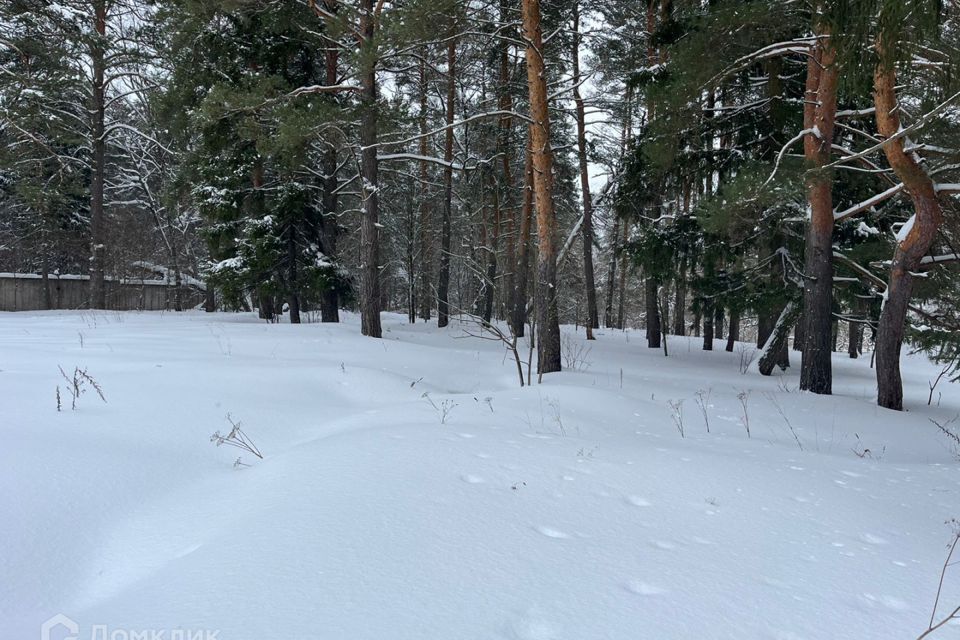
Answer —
(29, 292)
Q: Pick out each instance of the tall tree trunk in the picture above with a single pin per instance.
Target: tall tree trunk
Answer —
(548, 322)
(426, 226)
(652, 289)
(622, 292)
(855, 327)
(369, 170)
(293, 298)
(608, 318)
(798, 335)
(680, 300)
(505, 148)
(593, 320)
(443, 286)
(819, 113)
(734, 334)
(708, 318)
(519, 304)
(98, 293)
(491, 247)
(912, 243)
(329, 228)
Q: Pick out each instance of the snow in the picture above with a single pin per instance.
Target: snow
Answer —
(905, 229)
(572, 509)
(865, 230)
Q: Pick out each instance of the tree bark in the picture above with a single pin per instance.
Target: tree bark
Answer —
(680, 301)
(505, 148)
(519, 302)
(855, 339)
(608, 319)
(369, 170)
(652, 289)
(548, 323)
(708, 318)
(443, 286)
(911, 246)
(622, 288)
(493, 246)
(593, 321)
(98, 293)
(329, 228)
(733, 335)
(293, 297)
(820, 107)
(776, 344)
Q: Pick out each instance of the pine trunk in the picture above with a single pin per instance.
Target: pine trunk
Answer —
(733, 335)
(708, 327)
(593, 320)
(369, 170)
(680, 301)
(911, 246)
(820, 109)
(329, 228)
(443, 286)
(608, 319)
(98, 292)
(548, 324)
(653, 312)
(519, 298)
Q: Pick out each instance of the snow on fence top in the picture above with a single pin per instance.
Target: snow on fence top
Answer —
(185, 280)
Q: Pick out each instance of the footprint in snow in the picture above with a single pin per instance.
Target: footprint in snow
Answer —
(644, 588)
(551, 533)
(637, 501)
(886, 602)
(472, 479)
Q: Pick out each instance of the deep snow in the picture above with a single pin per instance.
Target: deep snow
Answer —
(568, 510)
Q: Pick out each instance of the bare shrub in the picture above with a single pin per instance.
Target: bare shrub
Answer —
(575, 354)
(747, 355)
(491, 331)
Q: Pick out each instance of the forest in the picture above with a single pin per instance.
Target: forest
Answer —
(479, 319)
(782, 172)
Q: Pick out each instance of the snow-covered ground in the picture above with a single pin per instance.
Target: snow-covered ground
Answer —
(569, 510)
